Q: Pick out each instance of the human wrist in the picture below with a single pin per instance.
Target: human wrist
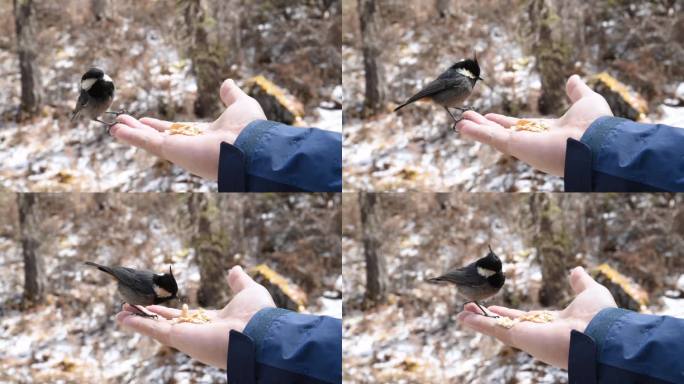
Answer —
(594, 136)
(600, 324)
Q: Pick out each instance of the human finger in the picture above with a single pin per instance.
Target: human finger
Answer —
(238, 279)
(230, 92)
(503, 120)
(147, 139)
(166, 312)
(159, 125)
(576, 88)
(485, 325)
(158, 330)
(580, 280)
(491, 134)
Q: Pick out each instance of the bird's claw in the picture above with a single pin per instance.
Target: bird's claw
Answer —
(108, 125)
(463, 109)
(146, 315)
(118, 113)
(141, 313)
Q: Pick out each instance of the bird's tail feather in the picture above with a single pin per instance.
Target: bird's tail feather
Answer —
(436, 280)
(400, 107)
(102, 268)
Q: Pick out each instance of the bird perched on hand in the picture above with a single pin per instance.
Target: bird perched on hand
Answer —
(476, 281)
(96, 95)
(141, 287)
(451, 88)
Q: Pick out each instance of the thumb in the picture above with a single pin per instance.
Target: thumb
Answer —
(580, 280)
(576, 88)
(238, 279)
(230, 92)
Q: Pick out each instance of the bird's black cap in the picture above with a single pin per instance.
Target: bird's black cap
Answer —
(168, 282)
(93, 73)
(490, 262)
(469, 65)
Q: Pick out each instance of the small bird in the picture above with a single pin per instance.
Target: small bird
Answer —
(451, 88)
(141, 287)
(476, 281)
(96, 96)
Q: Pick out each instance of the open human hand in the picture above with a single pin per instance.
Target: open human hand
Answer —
(197, 154)
(206, 342)
(542, 150)
(548, 342)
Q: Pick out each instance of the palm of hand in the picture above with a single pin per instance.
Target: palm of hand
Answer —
(200, 154)
(236, 116)
(548, 342)
(534, 337)
(245, 304)
(197, 154)
(208, 342)
(582, 113)
(551, 145)
(542, 150)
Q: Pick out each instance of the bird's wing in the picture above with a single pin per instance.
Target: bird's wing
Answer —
(80, 104)
(131, 277)
(433, 87)
(461, 276)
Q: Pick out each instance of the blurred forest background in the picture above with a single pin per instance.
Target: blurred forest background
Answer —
(398, 328)
(631, 51)
(168, 59)
(57, 315)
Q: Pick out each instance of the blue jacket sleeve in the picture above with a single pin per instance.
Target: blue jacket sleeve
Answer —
(625, 347)
(619, 155)
(280, 346)
(273, 157)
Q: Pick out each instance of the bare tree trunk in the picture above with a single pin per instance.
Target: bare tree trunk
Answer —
(230, 32)
(444, 8)
(370, 41)
(34, 267)
(24, 19)
(376, 269)
(216, 243)
(553, 52)
(553, 247)
(204, 63)
(214, 45)
(99, 9)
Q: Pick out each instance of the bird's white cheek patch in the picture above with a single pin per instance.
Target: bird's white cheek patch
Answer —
(466, 73)
(161, 292)
(107, 79)
(87, 83)
(484, 272)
